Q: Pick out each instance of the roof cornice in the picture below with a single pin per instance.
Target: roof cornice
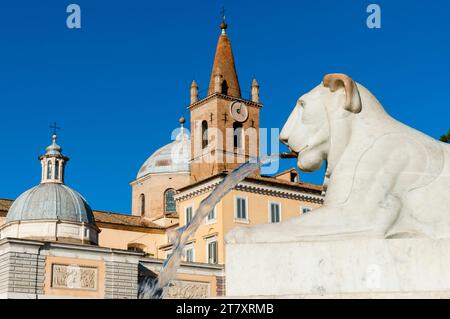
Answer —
(148, 175)
(249, 186)
(225, 97)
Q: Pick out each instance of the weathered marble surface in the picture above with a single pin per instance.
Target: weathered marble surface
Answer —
(384, 179)
(363, 268)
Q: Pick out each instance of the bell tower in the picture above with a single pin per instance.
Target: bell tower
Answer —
(224, 125)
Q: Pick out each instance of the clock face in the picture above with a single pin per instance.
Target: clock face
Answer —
(239, 111)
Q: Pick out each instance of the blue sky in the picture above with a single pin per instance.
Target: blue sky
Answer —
(118, 86)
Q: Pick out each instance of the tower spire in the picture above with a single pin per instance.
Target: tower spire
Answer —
(224, 69)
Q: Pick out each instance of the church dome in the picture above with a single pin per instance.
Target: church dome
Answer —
(171, 158)
(50, 201)
(51, 211)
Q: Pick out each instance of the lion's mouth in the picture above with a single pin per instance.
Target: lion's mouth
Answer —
(293, 154)
(288, 155)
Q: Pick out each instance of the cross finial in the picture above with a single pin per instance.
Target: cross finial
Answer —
(223, 24)
(54, 127)
(222, 12)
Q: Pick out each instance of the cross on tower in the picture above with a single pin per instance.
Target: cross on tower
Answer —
(54, 127)
(222, 12)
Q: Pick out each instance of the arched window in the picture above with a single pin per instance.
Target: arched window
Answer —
(49, 169)
(169, 202)
(225, 87)
(204, 134)
(57, 170)
(237, 131)
(142, 204)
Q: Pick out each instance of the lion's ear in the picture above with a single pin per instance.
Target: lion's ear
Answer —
(352, 98)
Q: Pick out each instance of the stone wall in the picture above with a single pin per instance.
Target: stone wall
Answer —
(26, 273)
(121, 280)
(26, 270)
(21, 272)
(4, 270)
(193, 280)
(154, 187)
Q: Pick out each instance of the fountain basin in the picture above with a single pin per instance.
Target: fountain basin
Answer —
(353, 268)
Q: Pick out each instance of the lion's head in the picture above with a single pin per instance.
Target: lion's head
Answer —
(307, 130)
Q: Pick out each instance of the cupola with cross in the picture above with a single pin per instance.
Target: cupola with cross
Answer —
(224, 124)
(51, 211)
(53, 162)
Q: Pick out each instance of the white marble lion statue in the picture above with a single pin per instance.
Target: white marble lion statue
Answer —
(383, 178)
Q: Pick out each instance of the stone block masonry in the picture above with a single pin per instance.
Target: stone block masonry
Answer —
(24, 271)
(4, 271)
(21, 274)
(121, 280)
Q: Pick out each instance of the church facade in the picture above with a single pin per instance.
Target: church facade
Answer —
(54, 245)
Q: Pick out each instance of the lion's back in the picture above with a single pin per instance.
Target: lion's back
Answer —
(426, 209)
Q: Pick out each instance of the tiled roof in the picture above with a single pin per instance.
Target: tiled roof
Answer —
(312, 188)
(285, 171)
(5, 204)
(100, 217)
(268, 180)
(123, 219)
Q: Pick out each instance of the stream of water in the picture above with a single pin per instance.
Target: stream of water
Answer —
(155, 288)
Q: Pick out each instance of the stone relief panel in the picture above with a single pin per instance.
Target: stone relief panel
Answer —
(188, 290)
(74, 277)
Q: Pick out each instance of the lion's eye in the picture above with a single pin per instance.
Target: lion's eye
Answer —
(301, 103)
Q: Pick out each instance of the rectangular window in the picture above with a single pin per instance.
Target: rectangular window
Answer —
(212, 251)
(275, 215)
(211, 216)
(241, 208)
(189, 253)
(306, 210)
(189, 214)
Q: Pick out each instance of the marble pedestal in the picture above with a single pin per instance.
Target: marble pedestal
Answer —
(354, 268)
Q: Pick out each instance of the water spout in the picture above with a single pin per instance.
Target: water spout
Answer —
(288, 155)
(155, 288)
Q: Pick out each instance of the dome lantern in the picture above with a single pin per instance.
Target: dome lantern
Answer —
(53, 163)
